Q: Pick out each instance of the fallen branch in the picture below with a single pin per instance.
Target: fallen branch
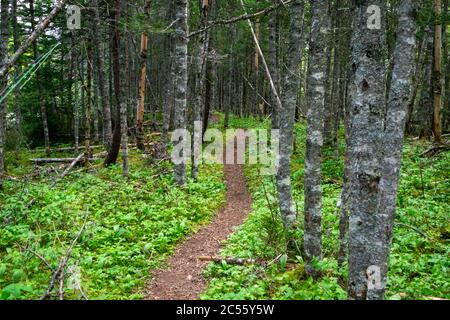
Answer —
(59, 272)
(435, 149)
(412, 228)
(231, 260)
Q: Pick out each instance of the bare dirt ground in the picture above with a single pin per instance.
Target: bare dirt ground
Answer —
(181, 278)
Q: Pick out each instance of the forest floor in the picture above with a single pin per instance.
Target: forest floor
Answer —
(143, 234)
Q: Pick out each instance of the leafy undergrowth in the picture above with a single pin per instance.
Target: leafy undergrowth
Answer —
(419, 265)
(132, 226)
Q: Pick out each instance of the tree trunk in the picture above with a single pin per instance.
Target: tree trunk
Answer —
(100, 69)
(367, 104)
(88, 108)
(17, 69)
(124, 139)
(287, 114)
(315, 115)
(142, 82)
(421, 122)
(399, 93)
(4, 32)
(437, 82)
(200, 93)
(181, 31)
(274, 65)
(115, 146)
(41, 95)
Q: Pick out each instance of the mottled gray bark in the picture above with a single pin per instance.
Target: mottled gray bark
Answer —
(344, 51)
(287, 115)
(367, 105)
(124, 138)
(17, 70)
(274, 65)
(199, 92)
(404, 54)
(180, 60)
(4, 32)
(315, 115)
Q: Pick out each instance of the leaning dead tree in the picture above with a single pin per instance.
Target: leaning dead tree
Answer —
(38, 30)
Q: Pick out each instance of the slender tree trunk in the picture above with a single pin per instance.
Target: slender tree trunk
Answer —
(200, 96)
(345, 40)
(400, 89)
(41, 95)
(437, 82)
(4, 32)
(316, 108)
(124, 139)
(142, 82)
(17, 69)
(113, 153)
(366, 116)
(274, 65)
(422, 115)
(88, 108)
(287, 114)
(181, 31)
(209, 81)
(99, 62)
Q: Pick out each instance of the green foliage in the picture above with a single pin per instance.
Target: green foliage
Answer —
(133, 225)
(419, 266)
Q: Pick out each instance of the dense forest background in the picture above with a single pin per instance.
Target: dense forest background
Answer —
(348, 101)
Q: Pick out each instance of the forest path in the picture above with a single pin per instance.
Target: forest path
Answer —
(182, 278)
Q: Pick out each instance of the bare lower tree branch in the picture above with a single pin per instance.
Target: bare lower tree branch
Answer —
(34, 35)
(241, 17)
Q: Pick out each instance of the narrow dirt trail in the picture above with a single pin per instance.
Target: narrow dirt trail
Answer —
(182, 277)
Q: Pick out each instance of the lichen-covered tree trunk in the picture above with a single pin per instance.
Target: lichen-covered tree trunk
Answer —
(274, 65)
(17, 70)
(124, 138)
(100, 70)
(142, 82)
(344, 48)
(287, 115)
(403, 71)
(199, 90)
(180, 60)
(367, 105)
(314, 142)
(4, 32)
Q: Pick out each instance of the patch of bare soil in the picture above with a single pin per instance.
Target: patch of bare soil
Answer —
(182, 278)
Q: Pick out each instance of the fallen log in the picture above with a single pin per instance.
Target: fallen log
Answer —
(59, 160)
(66, 149)
(231, 260)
